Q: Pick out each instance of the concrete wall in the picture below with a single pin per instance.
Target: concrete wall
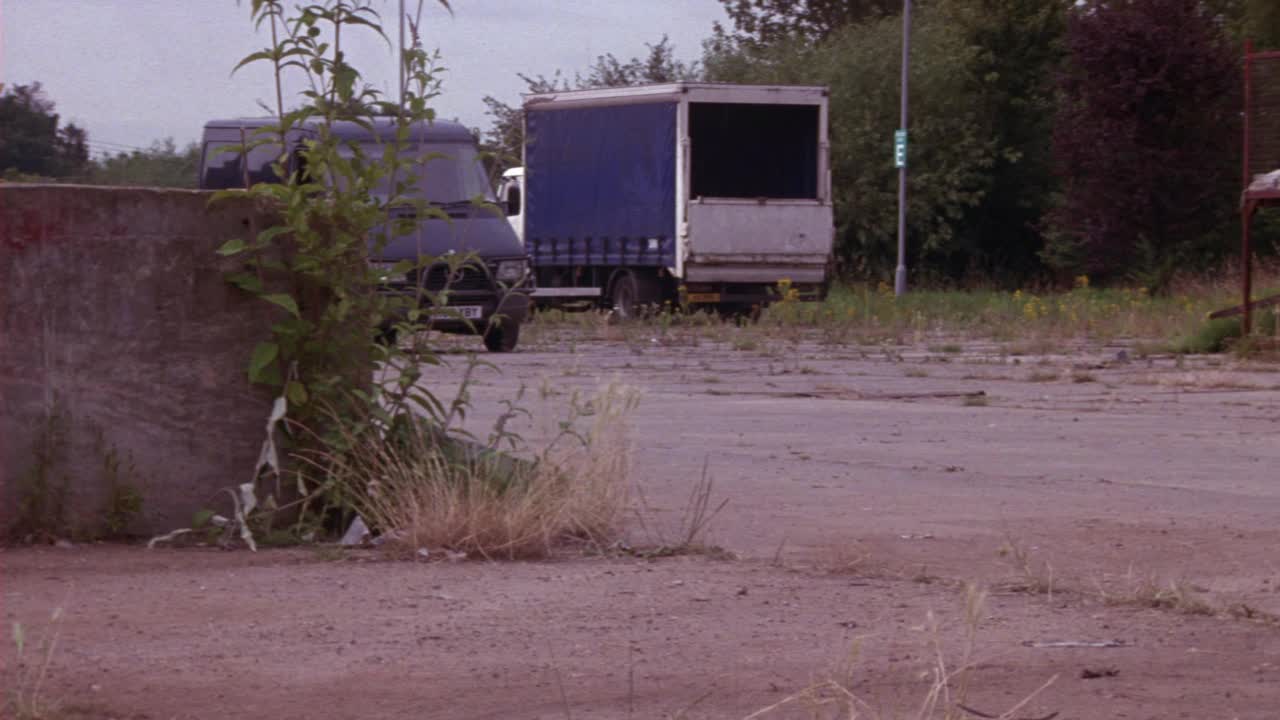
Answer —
(114, 315)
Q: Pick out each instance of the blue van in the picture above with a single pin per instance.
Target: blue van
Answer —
(489, 296)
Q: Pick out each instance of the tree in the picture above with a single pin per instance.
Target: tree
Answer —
(505, 137)
(161, 165)
(952, 152)
(1144, 137)
(767, 21)
(503, 143)
(1018, 53)
(1261, 22)
(31, 141)
(658, 66)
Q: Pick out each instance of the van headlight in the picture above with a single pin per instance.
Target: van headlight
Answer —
(511, 271)
(386, 271)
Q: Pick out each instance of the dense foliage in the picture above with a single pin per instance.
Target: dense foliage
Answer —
(1144, 158)
(1049, 138)
(952, 152)
(32, 139)
(505, 137)
(767, 21)
(36, 145)
(163, 164)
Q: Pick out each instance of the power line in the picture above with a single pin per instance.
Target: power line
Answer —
(109, 143)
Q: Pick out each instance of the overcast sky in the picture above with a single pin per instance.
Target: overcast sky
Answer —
(133, 71)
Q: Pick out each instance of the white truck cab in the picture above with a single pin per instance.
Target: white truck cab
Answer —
(511, 197)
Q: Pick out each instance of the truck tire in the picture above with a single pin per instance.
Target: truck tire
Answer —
(502, 337)
(624, 296)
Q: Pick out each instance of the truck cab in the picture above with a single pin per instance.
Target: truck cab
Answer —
(488, 295)
(511, 198)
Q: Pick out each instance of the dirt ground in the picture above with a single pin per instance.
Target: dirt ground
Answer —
(1098, 497)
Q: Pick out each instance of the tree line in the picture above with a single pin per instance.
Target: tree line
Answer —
(36, 145)
(1049, 138)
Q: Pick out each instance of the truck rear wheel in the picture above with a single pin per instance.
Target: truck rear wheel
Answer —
(634, 293)
(624, 296)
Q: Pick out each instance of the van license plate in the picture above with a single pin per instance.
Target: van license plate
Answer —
(704, 297)
(459, 312)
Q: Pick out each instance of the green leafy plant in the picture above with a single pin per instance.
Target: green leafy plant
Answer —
(353, 430)
(124, 499)
(323, 220)
(42, 503)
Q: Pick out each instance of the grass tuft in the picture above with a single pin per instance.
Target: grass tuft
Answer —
(1035, 578)
(1177, 596)
(422, 490)
(1220, 335)
(26, 697)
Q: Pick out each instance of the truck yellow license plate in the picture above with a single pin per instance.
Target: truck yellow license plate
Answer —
(704, 297)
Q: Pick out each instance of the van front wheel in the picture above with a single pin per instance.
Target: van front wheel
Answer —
(502, 337)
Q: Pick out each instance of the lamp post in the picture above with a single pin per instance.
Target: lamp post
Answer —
(900, 157)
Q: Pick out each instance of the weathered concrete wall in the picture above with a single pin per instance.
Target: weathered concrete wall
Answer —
(114, 316)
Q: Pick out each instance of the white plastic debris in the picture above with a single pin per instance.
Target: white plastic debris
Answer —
(167, 537)
(356, 533)
(1266, 181)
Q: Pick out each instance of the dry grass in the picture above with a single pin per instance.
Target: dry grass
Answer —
(26, 698)
(1175, 595)
(422, 492)
(945, 694)
(847, 559)
(1030, 576)
(1202, 379)
(691, 534)
(1146, 591)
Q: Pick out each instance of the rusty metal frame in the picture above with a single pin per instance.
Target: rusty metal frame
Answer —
(1251, 200)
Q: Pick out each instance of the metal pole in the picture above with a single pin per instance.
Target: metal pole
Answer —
(1247, 207)
(900, 277)
(400, 56)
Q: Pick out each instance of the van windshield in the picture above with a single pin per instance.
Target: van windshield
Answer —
(223, 168)
(446, 173)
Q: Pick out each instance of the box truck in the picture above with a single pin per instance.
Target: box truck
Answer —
(694, 193)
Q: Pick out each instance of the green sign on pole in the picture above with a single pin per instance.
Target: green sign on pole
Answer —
(900, 149)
